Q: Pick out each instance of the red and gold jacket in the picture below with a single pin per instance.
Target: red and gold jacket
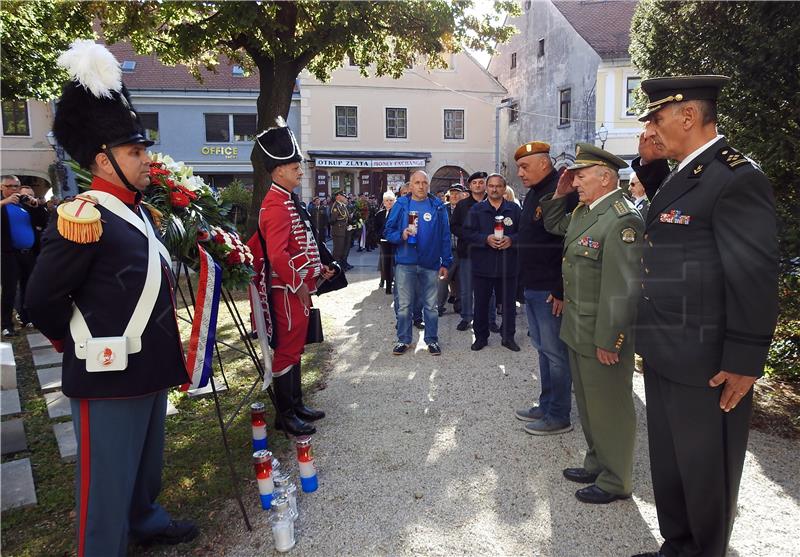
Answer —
(291, 248)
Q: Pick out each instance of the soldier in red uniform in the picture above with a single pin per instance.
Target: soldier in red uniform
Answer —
(295, 268)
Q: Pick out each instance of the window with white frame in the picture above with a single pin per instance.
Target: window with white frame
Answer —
(631, 85)
(346, 121)
(396, 123)
(454, 124)
(229, 128)
(15, 118)
(150, 124)
(564, 107)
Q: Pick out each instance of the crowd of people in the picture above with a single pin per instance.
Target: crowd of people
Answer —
(683, 272)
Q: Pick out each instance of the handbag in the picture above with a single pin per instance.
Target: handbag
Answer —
(314, 334)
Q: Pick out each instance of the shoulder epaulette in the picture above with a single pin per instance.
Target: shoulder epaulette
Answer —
(155, 213)
(731, 158)
(79, 220)
(622, 208)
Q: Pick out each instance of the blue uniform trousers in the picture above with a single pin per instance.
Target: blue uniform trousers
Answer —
(118, 475)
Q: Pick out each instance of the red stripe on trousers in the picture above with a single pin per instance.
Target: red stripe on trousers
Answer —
(86, 468)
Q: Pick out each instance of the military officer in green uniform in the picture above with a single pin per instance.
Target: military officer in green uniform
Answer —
(707, 312)
(602, 246)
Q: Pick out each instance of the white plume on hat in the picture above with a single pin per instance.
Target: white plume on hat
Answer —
(93, 66)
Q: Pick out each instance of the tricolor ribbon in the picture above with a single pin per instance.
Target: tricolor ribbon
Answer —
(204, 325)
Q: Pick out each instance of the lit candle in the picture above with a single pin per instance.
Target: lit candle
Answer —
(258, 422)
(282, 524)
(499, 227)
(262, 462)
(305, 462)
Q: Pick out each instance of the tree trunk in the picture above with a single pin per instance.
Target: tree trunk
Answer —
(276, 85)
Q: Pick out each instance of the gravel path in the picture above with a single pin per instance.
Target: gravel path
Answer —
(423, 456)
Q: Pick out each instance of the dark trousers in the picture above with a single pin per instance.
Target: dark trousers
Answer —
(118, 475)
(340, 248)
(696, 458)
(15, 268)
(505, 291)
(386, 263)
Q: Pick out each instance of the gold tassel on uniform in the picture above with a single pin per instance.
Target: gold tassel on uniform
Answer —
(155, 213)
(79, 220)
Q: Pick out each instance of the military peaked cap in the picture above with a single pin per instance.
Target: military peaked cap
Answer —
(664, 90)
(587, 155)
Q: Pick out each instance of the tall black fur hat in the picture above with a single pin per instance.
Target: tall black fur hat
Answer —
(278, 145)
(94, 111)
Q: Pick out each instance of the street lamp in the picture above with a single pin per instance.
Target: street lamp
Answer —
(61, 169)
(602, 135)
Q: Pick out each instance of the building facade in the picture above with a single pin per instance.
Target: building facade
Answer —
(561, 72)
(369, 134)
(26, 152)
(210, 125)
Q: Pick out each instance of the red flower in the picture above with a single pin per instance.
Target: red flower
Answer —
(187, 192)
(234, 258)
(178, 199)
(202, 235)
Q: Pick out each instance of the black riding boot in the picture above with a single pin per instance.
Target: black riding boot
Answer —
(288, 417)
(303, 411)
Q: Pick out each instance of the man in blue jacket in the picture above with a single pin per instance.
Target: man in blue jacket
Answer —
(422, 258)
(494, 260)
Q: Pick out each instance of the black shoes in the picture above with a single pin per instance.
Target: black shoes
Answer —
(435, 349)
(442, 310)
(580, 475)
(399, 349)
(479, 344)
(597, 496)
(419, 324)
(177, 531)
(308, 414)
(463, 325)
(494, 327)
(388, 289)
(511, 345)
(293, 424)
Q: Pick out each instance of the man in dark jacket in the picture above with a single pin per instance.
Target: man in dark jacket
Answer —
(708, 309)
(119, 361)
(491, 231)
(540, 278)
(477, 188)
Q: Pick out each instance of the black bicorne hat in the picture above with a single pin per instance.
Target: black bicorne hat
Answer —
(94, 112)
(278, 145)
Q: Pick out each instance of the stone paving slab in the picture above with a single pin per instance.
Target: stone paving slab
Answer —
(8, 377)
(38, 341)
(49, 378)
(18, 489)
(57, 405)
(67, 444)
(46, 357)
(8, 367)
(207, 389)
(12, 437)
(9, 402)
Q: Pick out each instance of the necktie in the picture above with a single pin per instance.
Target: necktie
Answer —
(666, 180)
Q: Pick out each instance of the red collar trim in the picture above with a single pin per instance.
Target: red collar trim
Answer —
(120, 192)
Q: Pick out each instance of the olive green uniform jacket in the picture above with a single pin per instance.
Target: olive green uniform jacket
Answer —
(600, 269)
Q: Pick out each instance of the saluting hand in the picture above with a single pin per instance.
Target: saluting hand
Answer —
(648, 150)
(565, 184)
(736, 388)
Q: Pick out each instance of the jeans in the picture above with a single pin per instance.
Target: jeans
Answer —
(444, 285)
(414, 283)
(466, 293)
(543, 328)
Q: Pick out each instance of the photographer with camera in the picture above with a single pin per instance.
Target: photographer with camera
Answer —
(23, 217)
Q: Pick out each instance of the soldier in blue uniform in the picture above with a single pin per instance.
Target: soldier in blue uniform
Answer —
(708, 309)
(101, 259)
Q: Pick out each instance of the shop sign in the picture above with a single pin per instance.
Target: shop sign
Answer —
(370, 163)
(227, 152)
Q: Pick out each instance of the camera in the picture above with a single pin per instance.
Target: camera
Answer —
(25, 199)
